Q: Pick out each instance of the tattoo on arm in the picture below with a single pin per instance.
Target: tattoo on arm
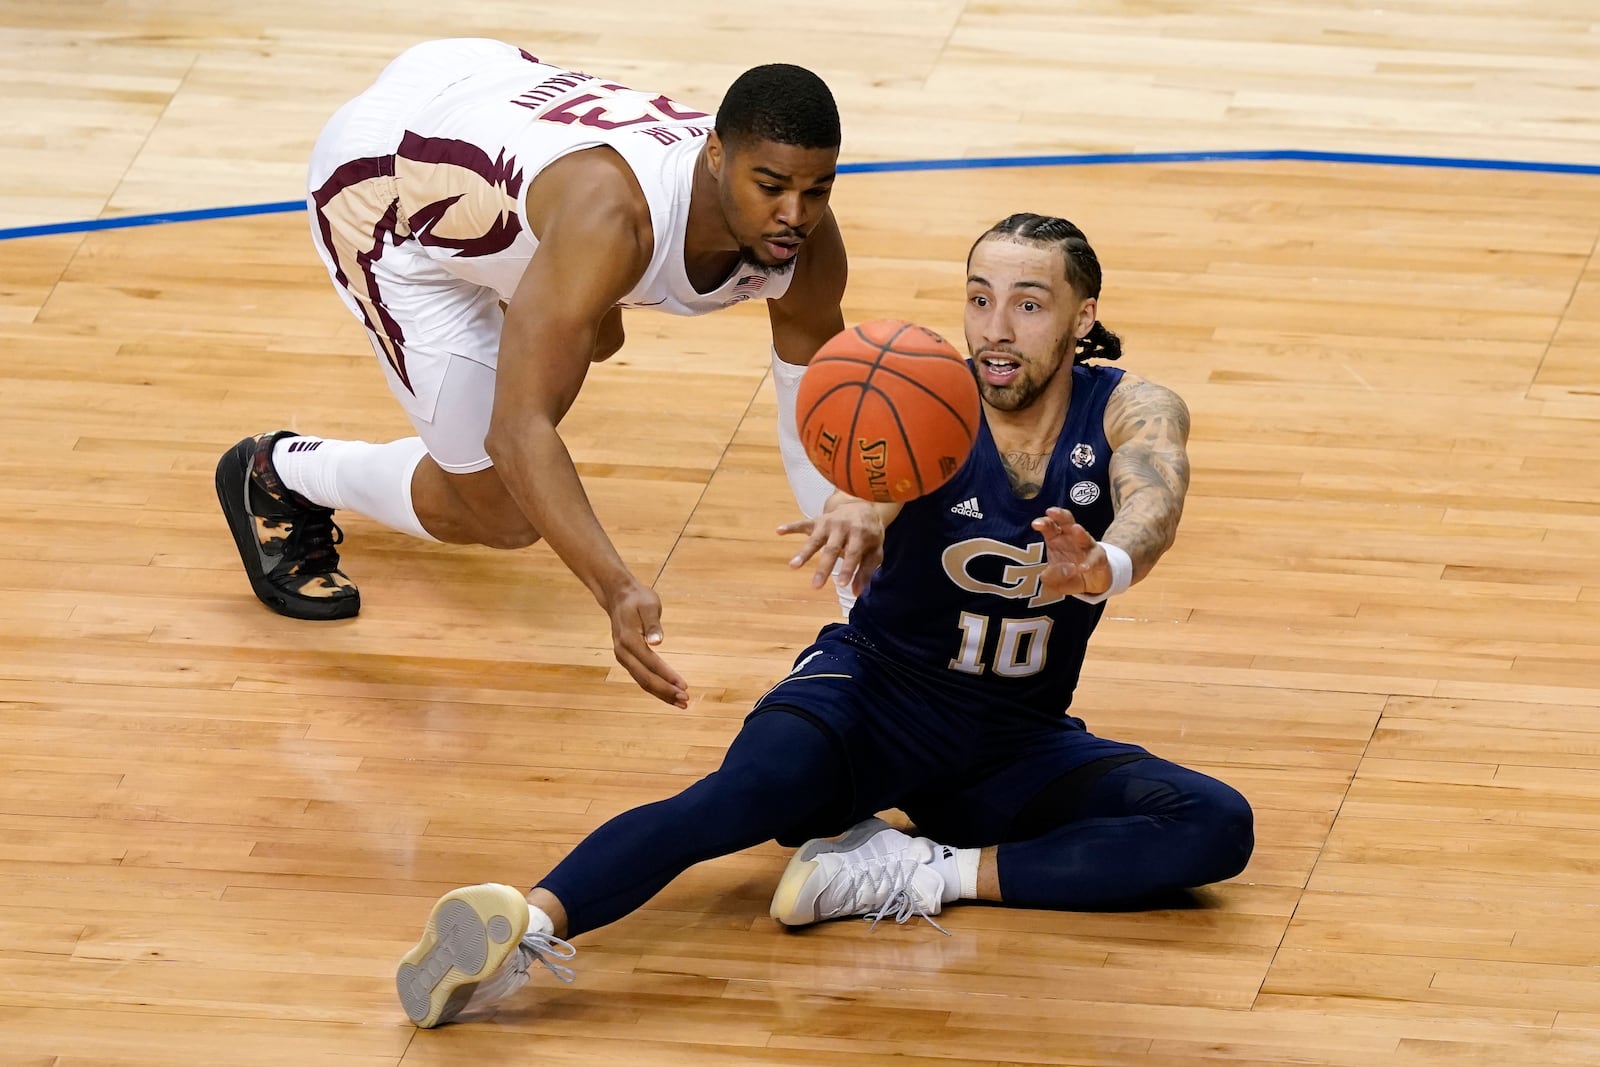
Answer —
(1148, 428)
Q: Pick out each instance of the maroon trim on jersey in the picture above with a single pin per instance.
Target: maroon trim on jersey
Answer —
(530, 57)
(391, 329)
(500, 173)
(347, 175)
(423, 218)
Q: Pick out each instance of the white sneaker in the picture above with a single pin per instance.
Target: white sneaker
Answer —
(872, 870)
(476, 949)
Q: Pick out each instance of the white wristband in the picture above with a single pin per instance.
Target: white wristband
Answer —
(1121, 574)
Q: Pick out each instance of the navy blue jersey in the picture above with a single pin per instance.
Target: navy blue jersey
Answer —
(959, 596)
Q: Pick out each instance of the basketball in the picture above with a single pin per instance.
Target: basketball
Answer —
(887, 410)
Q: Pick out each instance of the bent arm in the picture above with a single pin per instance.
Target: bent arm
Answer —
(1147, 426)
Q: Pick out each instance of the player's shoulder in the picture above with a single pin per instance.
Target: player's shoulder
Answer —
(599, 176)
(1137, 402)
(1132, 387)
(595, 186)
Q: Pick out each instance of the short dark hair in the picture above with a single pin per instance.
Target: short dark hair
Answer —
(1082, 269)
(782, 103)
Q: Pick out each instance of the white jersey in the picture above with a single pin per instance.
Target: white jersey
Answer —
(479, 121)
(417, 193)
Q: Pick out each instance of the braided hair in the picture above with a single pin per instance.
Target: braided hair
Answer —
(1083, 270)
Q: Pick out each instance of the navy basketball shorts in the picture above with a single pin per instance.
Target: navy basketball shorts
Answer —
(967, 774)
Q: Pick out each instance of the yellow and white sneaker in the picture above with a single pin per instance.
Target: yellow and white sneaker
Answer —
(872, 870)
(476, 950)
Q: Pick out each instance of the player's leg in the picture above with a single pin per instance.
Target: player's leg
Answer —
(1085, 823)
(441, 484)
(280, 490)
(908, 736)
(454, 492)
(802, 764)
(1142, 831)
(1123, 829)
(783, 773)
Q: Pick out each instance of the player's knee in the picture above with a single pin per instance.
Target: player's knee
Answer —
(774, 780)
(1229, 832)
(780, 763)
(608, 339)
(488, 515)
(604, 350)
(503, 527)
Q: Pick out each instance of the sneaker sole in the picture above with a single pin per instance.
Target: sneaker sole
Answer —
(786, 906)
(470, 933)
(232, 471)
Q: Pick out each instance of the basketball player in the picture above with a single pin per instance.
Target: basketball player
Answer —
(488, 216)
(946, 694)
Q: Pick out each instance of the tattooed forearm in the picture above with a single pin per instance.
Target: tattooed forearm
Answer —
(1148, 428)
(1025, 470)
(1147, 491)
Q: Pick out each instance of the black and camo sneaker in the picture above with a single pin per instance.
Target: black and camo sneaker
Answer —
(286, 542)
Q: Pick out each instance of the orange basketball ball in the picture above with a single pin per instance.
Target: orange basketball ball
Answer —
(888, 410)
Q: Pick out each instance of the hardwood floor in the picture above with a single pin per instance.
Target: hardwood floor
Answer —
(219, 828)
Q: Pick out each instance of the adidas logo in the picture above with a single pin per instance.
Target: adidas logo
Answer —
(948, 851)
(969, 508)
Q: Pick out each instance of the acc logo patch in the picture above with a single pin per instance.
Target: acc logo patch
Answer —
(1084, 492)
(1082, 456)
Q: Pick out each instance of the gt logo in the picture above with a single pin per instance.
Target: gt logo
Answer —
(1019, 580)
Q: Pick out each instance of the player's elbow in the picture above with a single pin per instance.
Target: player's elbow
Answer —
(512, 442)
(499, 443)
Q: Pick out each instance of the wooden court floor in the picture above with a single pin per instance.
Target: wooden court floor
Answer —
(219, 828)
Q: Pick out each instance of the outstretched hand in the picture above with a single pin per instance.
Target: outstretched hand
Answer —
(1077, 563)
(847, 541)
(635, 612)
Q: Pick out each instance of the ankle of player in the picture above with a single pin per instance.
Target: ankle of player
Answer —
(959, 869)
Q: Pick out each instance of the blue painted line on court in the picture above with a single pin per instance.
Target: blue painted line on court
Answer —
(1267, 155)
(903, 166)
(160, 218)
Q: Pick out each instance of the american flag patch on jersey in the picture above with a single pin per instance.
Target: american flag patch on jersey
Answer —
(749, 285)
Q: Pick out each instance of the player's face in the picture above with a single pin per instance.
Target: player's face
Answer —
(1023, 319)
(772, 196)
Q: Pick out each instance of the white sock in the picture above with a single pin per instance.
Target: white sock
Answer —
(539, 922)
(959, 869)
(373, 480)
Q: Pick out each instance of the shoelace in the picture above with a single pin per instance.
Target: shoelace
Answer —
(901, 904)
(547, 948)
(513, 973)
(313, 539)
